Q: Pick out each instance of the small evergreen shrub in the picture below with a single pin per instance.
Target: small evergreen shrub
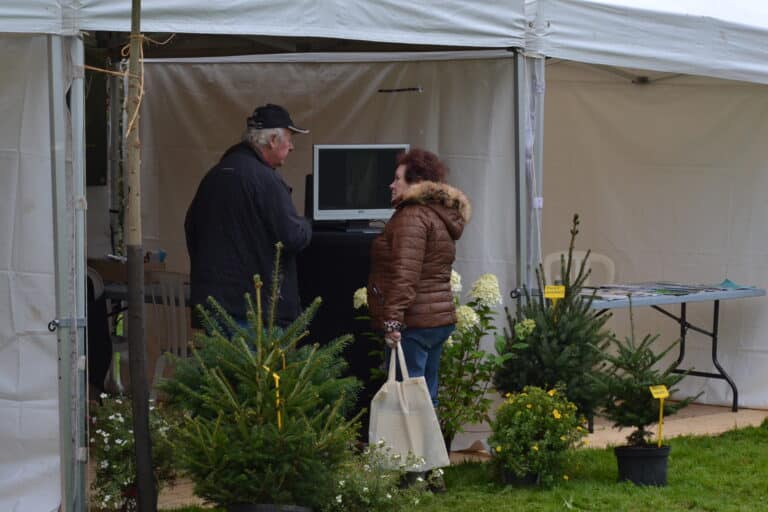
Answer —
(265, 420)
(556, 342)
(631, 369)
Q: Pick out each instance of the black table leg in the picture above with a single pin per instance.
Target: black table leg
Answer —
(713, 336)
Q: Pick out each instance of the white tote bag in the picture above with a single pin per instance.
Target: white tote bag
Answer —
(402, 415)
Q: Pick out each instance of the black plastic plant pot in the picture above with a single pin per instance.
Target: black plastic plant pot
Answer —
(511, 478)
(267, 508)
(643, 465)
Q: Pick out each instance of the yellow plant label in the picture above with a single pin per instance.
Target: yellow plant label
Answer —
(554, 291)
(659, 391)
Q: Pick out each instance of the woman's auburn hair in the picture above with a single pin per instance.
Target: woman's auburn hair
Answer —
(422, 165)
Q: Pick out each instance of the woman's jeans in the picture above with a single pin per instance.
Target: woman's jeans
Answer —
(422, 349)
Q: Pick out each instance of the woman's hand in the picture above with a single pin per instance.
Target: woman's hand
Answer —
(392, 338)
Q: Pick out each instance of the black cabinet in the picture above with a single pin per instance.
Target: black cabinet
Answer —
(335, 264)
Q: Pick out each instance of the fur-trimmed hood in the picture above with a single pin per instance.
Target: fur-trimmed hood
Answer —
(448, 202)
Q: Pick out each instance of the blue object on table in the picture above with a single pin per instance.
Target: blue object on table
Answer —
(727, 283)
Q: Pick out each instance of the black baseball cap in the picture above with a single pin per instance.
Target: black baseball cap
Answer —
(272, 116)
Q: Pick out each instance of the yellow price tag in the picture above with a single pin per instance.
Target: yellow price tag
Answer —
(554, 291)
(659, 391)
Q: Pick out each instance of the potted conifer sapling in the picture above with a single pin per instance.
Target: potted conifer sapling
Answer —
(624, 382)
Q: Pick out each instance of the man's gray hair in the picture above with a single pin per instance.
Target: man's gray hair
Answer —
(256, 138)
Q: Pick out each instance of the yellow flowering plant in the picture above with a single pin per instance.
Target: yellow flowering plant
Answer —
(533, 433)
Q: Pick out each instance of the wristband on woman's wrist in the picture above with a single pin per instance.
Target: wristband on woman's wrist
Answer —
(393, 326)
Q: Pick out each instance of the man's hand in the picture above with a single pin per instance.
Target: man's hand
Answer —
(392, 339)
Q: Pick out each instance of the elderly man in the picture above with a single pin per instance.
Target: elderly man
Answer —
(242, 208)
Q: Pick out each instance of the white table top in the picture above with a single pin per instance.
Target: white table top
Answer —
(655, 294)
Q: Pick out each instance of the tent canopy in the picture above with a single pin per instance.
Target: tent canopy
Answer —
(431, 22)
(698, 37)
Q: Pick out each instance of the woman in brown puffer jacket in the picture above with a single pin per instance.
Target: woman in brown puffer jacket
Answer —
(409, 287)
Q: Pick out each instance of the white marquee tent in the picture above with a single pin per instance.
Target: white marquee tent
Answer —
(42, 193)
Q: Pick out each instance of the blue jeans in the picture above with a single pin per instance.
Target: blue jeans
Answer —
(422, 349)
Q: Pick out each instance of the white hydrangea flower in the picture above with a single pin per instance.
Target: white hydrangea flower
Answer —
(450, 341)
(360, 298)
(366, 468)
(389, 496)
(103, 396)
(438, 472)
(341, 483)
(466, 318)
(338, 498)
(455, 282)
(486, 290)
(365, 489)
(104, 464)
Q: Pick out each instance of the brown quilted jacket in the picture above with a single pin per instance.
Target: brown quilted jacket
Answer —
(411, 261)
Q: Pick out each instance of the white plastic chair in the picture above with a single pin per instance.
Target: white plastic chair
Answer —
(552, 267)
(167, 289)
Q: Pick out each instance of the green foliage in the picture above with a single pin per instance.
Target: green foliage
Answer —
(720, 473)
(112, 448)
(466, 370)
(532, 433)
(368, 484)
(624, 383)
(566, 344)
(265, 418)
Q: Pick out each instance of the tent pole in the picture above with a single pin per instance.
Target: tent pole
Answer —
(77, 120)
(146, 501)
(521, 217)
(529, 108)
(69, 323)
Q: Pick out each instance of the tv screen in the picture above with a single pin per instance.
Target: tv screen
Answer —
(351, 182)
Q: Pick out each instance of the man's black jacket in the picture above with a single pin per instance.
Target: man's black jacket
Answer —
(241, 209)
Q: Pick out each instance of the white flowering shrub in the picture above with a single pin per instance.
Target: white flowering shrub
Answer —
(367, 484)
(485, 291)
(112, 452)
(466, 318)
(455, 282)
(360, 298)
(466, 370)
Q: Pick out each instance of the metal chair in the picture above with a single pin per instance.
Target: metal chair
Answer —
(552, 267)
(167, 291)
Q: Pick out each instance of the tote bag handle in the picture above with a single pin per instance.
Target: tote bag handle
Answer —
(393, 374)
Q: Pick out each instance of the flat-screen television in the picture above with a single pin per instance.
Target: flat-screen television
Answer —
(351, 181)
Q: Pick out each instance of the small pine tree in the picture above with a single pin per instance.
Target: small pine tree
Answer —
(625, 380)
(565, 345)
(264, 419)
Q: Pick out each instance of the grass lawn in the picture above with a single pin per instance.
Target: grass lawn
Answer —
(724, 473)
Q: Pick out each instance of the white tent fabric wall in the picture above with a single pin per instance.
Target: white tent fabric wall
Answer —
(670, 180)
(193, 111)
(29, 421)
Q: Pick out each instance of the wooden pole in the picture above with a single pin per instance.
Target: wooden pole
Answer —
(146, 501)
